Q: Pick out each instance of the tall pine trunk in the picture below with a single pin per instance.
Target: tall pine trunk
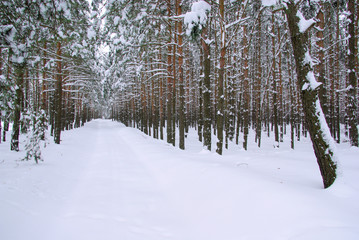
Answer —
(58, 96)
(246, 96)
(320, 67)
(1, 90)
(313, 114)
(206, 91)
(220, 100)
(258, 77)
(19, 73)
(337, 76)
(353, 81)
(180, 79)
(275, 92)
(169, 103)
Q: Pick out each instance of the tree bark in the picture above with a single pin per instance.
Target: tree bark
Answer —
(206, 91)
(19, 73)
(337, 84)
(169, 103)
(275, 92)
(246, 96)
(314, 117)
(220, 100)
(200, 102)
(258, 81)
(58, 96)
(1, 90)
(180, 79)
(353, 81)
(320, 67)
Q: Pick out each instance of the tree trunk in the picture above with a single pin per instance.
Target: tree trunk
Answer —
(258, 81)
(174, 87)
(200, 102)
(180, 79)
(220, 100)
(246, 90)
(353, 81)
(275, 93)
(169, 81)
(280, 97)
(314, 117)
(1, 90)
(161, 123)
(320, 67)
(58, 96)
(206, 91)
(337, 84)
(44, 84)
(19, 73)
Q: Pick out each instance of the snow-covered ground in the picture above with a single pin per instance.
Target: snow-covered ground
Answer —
(106, 181)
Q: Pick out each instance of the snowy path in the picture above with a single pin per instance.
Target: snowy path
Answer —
(114, 192)
(106, 181)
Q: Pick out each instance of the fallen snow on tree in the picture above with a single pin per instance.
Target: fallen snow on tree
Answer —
(303, 23)
(197, 16)
(269, 3)
(312, 82)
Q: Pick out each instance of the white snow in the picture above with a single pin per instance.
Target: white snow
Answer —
(91, 33)
(17, 59)
(197, 16)
(116, 20)
(308, 59)
(313, 83)
(303, 23)
(326, 134)
(106, 181)
(63, 5)
(268, 3)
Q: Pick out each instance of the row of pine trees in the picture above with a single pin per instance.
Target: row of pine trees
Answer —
(235, 72)
(47, 69)
(241, 65)
(222, 67)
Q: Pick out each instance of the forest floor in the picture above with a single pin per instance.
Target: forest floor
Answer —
(106, 181)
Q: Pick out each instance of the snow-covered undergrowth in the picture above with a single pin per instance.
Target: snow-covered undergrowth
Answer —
(106, 181)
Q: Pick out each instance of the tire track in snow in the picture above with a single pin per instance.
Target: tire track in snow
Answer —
(115, 197)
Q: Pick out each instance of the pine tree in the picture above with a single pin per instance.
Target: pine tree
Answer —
(314, 117)
(36, 135)
(181, 78)
(221, 80)
(352, 87)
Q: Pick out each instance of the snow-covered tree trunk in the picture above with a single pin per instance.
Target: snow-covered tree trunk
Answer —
(1, 90)
(174, 84)
(206, 91)
(181, 110)
(246, 95)
(314, 117)
(19, 73)
(220, 100)
(58, 96)
(281, 121)
(353, 80)
(200, 103)
(275, 93)
(161, 110)
(337, 76)
(320, 67)
(258, 78)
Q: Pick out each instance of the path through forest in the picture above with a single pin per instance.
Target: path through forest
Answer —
(106, 181)
(115, 196)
